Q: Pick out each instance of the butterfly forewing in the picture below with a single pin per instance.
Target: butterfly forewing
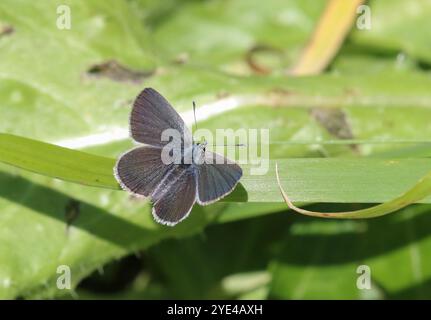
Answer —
(151, 115)
(141, 170)
(216, 177)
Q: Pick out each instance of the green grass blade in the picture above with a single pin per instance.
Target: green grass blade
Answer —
(57, 162)
(307, 180)
(419, 191)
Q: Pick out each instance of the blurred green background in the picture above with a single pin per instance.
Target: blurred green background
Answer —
(73, 86)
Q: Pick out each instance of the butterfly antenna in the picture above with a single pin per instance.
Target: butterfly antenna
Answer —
(194, 114)
(230, 145)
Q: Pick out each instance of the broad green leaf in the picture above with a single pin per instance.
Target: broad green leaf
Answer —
(393, 34)
(231, 37)
(58, 86)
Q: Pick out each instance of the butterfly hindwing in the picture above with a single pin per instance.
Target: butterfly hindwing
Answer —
(175, 196)
(216, 178)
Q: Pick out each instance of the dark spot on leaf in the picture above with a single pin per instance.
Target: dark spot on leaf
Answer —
(278, 97)
(281, 92)
(335, 122)
(113, 70)
(71, 211)
(6, 30)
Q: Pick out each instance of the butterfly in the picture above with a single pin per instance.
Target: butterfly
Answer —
(174, 187)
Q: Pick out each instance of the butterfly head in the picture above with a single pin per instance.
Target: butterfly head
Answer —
(202, 145)
(199, 149)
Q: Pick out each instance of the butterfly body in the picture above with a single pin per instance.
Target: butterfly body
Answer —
(173, 186)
